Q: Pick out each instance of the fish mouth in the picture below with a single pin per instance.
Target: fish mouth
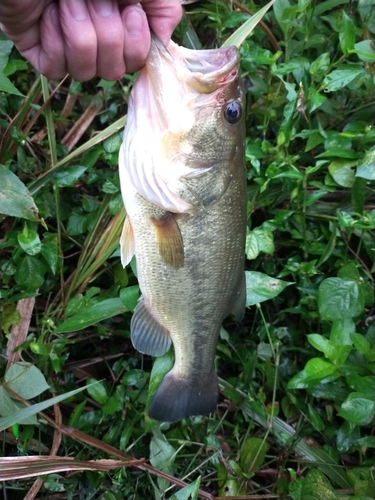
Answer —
(202, 70)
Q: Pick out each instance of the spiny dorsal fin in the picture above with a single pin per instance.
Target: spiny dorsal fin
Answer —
(147, 335)
(127, 243)
(169, 238)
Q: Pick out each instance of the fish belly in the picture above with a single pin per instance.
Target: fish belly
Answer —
(188, 302)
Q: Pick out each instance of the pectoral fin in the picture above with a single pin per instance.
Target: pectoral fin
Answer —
(147, 335)
(127, 243)
(169, 238)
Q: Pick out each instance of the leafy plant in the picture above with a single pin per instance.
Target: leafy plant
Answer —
(296, 414)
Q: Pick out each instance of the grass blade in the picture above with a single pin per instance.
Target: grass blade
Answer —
(238, 37)
(10, 420)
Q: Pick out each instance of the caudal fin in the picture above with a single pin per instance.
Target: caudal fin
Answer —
(177, 398)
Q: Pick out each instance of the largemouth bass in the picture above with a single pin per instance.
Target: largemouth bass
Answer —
(183, 182)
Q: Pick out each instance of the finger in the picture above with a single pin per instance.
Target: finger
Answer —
(163, 16)
(42, 43)
(80, 40)
(107, 21)
(137, 38)
(51, 59)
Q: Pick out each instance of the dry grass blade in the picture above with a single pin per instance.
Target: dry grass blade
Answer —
(22, 467)
(19, 332)
(110, 450)
(81, 125)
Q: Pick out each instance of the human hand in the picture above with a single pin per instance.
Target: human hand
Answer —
(87, 37)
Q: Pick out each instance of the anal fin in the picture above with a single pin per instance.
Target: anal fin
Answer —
(169, 238)
(127, 243)
(147, 335)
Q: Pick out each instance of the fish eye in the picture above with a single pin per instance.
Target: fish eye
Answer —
(233, 112)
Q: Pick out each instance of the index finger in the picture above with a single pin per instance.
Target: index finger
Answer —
(163, 16)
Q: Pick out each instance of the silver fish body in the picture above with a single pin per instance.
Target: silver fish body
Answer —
(183, 182)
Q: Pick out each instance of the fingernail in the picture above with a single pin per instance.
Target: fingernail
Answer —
(103, 7)
(134, 21)
(78, 9)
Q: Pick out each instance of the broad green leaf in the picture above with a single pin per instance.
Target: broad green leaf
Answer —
(365, 50)
(30, 273)
(363, 346)
(366, 166)
(316, 419)
(77, 224)
(366, 10)
(260, 287)
(129, 297)
(364, 385)
(253, 453)
(342, 172)
(9, 406)
(111, 406)
(91, 315)
(162, 455)
(259, 240)
(69, 176)
(6, 47)
(347, 435)
(347, 33)
(321, 344)
(113, 143)
(316, 99)
(98, 392)
(316, 487)
(229, 484)
(357, 409)
(252, 247)
(50, 252)
(319, 67)
(26, 380)
(339, 298)
(244, 31)
(7, 86)
(339, 78)
(29, 411)
(29, 241)
(189, 491)
(316, 370)
(161, 366)
(15, 199)
(363, 482)
(349, 271)
(279, 12)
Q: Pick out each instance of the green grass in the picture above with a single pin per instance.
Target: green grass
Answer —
(296, 412)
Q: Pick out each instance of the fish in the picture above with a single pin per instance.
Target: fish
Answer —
(183, 182)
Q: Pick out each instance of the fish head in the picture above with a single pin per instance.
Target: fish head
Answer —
(185, 126)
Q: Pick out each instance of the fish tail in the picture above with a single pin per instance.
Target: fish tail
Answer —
(177, 398)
